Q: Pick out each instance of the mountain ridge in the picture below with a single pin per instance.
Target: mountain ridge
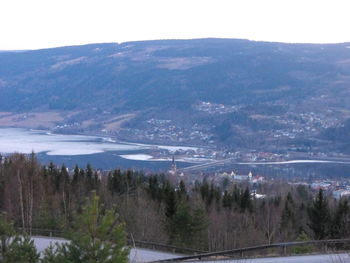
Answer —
(257, 91)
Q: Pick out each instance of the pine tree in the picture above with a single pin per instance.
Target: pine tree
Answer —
(339, 227)
(287, 225)
(97, 237)
(199, 227)
(319, 216)
(15, 248)
(182, 189)
(6, 231)
(227, 200)
(246, 203)
(186, 226)
(170, 204)
(89, 177)
(21, 250)
(55, 254)
(287, 218)
(76, 175)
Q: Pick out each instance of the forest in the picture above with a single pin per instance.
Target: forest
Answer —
(204, 216)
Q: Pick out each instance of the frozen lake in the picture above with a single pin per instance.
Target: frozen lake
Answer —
(101, 152)
(106, 153)
(26, 141)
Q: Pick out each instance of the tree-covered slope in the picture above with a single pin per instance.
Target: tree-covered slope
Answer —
(168, 79)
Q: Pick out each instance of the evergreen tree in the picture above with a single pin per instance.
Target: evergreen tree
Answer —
(55, 176)
(64, 174)
(6, 231)
(287, 217)
(205, 193)
(199, 226)
(188, 227)
(89, 174)
(246, 203)
(15, 248)
(236, 195)
(182, 189)
(21, 250)
(287, 225)
(76, 178)
(96, 237)
(227, 200)
(209, 193)
(55, 254)
(340, 227)
(153, 187)
(170, 204)
(319, 216)
(89, 171)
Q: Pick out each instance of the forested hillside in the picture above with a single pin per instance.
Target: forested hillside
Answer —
(213, 91)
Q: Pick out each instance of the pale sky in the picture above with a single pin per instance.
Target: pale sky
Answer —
(33, 24)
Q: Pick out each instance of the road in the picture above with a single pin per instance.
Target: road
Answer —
(326, 258)
(138, 255)
(234, 162)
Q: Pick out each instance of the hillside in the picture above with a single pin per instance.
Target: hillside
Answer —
(220, 92)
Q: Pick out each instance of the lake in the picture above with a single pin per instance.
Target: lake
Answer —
(101, 152)
(107, 153)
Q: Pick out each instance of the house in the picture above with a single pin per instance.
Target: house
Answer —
(255, 195)
(257, 179)
(338, 194)
(237, 177)
(320, 185)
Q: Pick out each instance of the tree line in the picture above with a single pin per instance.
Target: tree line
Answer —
(96, 235)
(193, 214)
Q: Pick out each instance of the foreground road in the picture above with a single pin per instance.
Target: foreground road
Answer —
(326, 258)
(138, 255)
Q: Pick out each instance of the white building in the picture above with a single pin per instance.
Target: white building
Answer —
(237, 177)
(341, 193)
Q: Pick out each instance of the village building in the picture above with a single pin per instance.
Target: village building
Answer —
(173, 168)
(237, 177)
(338, 194)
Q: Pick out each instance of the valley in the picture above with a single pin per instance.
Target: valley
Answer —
(233, 99)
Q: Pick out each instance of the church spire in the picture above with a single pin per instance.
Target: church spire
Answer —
(173, 166)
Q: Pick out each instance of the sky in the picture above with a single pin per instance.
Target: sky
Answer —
(35, 24)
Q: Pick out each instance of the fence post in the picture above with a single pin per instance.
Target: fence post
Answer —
(284, 250)
(325, 247)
